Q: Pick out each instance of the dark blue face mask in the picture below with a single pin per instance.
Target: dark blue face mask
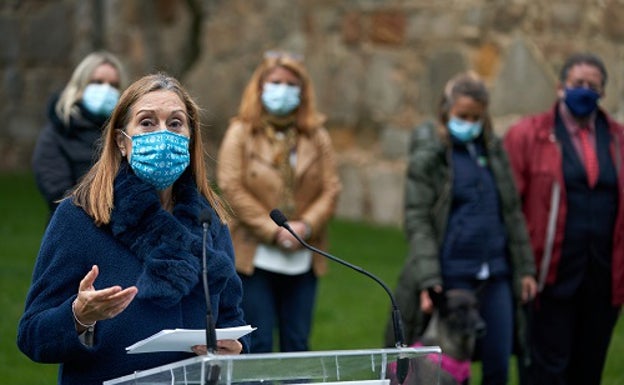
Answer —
(581, 101)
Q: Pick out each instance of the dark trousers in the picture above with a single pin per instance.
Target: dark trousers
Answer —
(570, 336)
(496, 307)
(285, 302)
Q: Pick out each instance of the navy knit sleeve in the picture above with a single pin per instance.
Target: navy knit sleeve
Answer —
(230, 311)
(46, 331)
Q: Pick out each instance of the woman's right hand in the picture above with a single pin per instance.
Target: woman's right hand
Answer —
(426, 304)
(93, 305)
(285, 240)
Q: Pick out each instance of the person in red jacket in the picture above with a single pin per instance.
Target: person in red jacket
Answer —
(568, 166)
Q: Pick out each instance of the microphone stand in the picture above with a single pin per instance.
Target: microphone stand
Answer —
(402, 363)
(211, 333)
(214, 370)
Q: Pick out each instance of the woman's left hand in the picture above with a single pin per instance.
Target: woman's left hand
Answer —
(529, 288)
(286, 240)
(223, 347)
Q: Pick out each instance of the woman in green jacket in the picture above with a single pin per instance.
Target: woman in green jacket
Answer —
(464, 224)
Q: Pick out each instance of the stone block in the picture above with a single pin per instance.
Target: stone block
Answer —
(394, 142)
(443, 65)
(444, 26)
(388, 27)
(351, 201)
(351, 28)
(12, 86)
(47, 36)
(418, 26)
(8, 40)
(613, 20)
(523, 85)
(509, 15)
(336, 96)
(343, 138)
(487, 60)
(22, 127)
(566, 17)
(386, 189)
(383, 91)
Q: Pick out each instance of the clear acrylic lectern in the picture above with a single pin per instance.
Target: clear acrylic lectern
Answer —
(356, 367)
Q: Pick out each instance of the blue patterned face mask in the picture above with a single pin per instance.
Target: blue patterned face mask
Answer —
(280, 99)
(159, 158)
(464, 130)
(100, 99)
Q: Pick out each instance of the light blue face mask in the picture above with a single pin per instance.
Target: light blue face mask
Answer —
(464, 130)
(100, 99)
(280, 99)
(159, 158)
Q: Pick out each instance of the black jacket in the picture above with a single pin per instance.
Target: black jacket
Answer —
(64, 153)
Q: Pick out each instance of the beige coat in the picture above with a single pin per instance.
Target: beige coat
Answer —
(252, 186)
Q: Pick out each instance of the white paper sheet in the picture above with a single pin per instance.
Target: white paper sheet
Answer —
(181, 340)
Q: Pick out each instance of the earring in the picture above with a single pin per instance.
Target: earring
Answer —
(123, 152)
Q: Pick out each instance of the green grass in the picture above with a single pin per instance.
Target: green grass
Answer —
(22, 219)
(351, 309)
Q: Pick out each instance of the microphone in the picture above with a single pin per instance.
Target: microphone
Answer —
(211, 333)
(402, 363)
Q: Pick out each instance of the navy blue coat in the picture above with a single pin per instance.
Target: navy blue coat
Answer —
(143, 245)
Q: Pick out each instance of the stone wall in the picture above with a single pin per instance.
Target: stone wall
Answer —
(378, 65)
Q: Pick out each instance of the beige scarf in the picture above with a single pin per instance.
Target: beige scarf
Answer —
(282, 134)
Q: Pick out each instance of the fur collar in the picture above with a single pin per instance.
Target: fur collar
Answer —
(169, 246)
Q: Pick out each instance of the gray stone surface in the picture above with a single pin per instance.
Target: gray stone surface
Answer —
(339, 100)
(378, 66)
(351, 202)
(523, 86)
(394, 142)
(385, 186)
(382, 92)
(566, 17)
(44, 37)
(10, 47)
(442, 66)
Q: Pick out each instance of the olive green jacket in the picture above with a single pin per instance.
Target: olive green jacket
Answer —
(428, 195)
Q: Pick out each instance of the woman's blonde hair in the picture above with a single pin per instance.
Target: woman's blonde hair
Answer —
(464, 84)
(81, 77)
(95, 192)
(251, 110)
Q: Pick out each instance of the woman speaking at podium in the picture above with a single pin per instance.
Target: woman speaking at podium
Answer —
(121, 258)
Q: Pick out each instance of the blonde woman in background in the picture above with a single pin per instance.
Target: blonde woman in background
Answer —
(67, 145)
(276, 154)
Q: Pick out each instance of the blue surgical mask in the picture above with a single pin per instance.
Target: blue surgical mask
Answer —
(464, 130)
(100, 99)
(159, 158)
(280, 99)
(581, 101)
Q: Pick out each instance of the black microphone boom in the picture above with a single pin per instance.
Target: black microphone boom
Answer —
(211, 333)
(403, 363)
(214, 370)
(279, 219)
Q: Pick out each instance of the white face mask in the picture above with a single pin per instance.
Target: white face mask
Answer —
(100, 99)
(280, 99)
